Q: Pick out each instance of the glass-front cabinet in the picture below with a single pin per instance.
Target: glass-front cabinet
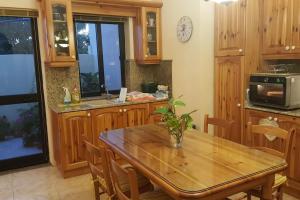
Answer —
(148, 36)
(60, 36)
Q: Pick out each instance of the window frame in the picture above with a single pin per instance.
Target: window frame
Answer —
(100, 56)
(38, 97)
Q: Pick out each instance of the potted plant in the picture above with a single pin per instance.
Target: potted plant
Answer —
(176, 124)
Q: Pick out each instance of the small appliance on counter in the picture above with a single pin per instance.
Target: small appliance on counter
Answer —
(149, 87)
(277, 90)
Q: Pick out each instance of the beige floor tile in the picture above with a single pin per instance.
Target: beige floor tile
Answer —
(6, 183)
(6, 195)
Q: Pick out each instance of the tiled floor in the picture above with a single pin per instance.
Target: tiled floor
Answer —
(45, 183)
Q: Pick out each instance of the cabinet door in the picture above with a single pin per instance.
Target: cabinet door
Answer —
(228, 94)
(104, 120)
(135, 115)
(230, 28)
(75, 127)
(276, 26)
(60, 31)
(156, 118)
(148, 44)
(295, 43)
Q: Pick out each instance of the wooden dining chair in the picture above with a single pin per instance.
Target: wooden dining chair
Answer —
(225, 124)
(276, 133)
(121, 172)
(100, 173)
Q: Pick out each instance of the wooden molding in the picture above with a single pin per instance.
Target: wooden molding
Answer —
(102, 9)
(130, 3)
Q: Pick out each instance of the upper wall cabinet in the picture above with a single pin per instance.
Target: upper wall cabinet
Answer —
(295, 39)
(230, 29)
(148, 36)
(60, 46)
(281, 27)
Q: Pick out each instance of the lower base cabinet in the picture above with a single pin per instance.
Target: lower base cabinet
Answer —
(285, 122)
(70, 129)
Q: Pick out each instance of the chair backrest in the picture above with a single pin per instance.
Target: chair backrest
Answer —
(222, 123)
(275, 132)
(123, 172)
(99, 152)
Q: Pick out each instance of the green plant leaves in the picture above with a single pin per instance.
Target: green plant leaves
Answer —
(176, 124)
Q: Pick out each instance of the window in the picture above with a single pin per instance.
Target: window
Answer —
(22, 119)
(100, 51)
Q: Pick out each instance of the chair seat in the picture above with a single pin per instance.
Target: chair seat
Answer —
(124, 184)
(155, 195)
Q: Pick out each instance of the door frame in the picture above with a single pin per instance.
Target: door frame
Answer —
(43, 157)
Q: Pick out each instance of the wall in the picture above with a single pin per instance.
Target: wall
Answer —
(193, 62)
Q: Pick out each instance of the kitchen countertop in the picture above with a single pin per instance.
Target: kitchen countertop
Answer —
(293, 113)
(95, 104)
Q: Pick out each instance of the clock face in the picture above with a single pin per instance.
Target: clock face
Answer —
(184, 29)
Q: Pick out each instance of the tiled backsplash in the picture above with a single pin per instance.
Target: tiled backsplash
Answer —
(135, 75)
(60, 77)
(138, 74)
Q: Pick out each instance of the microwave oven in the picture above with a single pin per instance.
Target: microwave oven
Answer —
(275, 90)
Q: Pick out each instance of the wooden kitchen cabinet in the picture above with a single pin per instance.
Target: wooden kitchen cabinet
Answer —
(285, 122)
(153, 117)
(230, 29)
(105, 119)
(58, 24)
(281, 27)
(228, 94)
(69, 130)
(148, 46)
(135, 115)
(295, 38)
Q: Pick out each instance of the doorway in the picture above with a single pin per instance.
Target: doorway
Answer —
(23, 132)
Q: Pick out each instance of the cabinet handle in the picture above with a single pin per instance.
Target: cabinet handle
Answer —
(238, 105)
(89, 114)
(120, 110)
(73, 56)
(287, 48)
(270, 118)
(125, 110)
(293, 47)
(241, 50)
(146, 56)
(275, 119)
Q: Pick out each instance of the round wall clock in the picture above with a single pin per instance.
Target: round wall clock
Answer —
(184, 29)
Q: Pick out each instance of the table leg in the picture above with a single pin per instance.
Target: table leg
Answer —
(267, 187)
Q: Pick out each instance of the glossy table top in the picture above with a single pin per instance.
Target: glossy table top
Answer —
(203, 164)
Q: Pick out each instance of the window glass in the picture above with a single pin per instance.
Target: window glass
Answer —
(17, 66)
(100, 51)
(88, 58)
(20, 132)
(111, 56)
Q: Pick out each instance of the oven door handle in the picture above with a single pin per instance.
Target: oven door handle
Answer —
(263, 83)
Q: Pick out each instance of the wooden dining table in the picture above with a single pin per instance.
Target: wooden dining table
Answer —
(205, 167)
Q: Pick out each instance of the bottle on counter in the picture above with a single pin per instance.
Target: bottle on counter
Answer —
(75, 95)
(67, 98)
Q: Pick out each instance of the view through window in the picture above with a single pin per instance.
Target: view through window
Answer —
(100, 49)
(22, 130)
